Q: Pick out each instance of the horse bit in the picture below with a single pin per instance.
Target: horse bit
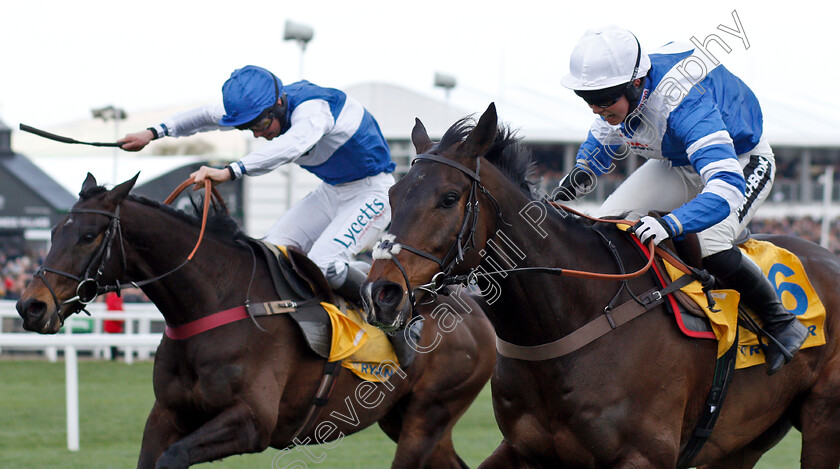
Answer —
(388, 248)
(88, 288)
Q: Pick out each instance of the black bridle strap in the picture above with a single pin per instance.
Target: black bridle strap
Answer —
(101, 256)
(468, 226)
(440, 159)
(104, 252)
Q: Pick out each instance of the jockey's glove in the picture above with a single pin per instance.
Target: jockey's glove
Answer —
(650, 227)
(580, 181)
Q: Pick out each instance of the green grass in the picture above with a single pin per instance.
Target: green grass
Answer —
(115, 399)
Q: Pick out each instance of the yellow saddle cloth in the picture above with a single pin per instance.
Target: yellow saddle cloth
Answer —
(363, 348)
(786, 273)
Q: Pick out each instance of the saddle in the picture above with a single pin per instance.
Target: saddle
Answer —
(296, 277)
(691, 317)
(695, 318)
(332, 330)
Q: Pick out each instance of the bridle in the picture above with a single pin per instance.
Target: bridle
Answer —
(388, 247)
(88, 285)
(464, 241)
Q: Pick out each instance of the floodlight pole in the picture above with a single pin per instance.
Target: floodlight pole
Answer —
(115, 114)
(301, 34)
(828, 190)
(447, 82)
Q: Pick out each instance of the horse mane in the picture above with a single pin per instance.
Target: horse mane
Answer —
(219, 224)
(508, 154)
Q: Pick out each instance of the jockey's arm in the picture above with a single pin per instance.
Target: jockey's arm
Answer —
(711, 153)
(201, 119)
(310, 121)
(596, 153)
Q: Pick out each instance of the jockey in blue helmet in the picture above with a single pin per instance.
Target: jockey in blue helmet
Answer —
(324, 131)
(709, 165)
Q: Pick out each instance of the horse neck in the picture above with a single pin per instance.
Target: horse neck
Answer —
(530, 235)
(157, 242)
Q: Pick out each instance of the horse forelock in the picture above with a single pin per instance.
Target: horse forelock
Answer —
(508, 154)
(86, 194)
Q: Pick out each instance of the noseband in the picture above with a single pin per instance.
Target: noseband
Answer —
(387, 248)
(88, 287)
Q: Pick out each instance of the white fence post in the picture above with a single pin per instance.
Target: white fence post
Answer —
(71, 379)
(144, 343)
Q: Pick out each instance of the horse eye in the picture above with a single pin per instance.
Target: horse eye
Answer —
(449, 200)
(88, 238)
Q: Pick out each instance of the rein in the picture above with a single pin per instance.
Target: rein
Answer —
(463, 242)
(387, 248)
(88, 287)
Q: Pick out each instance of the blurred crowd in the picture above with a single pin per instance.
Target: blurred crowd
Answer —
(802, 227)
(16, 269)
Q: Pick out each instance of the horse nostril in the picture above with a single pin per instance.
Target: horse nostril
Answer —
(31, 309)
(388, 296)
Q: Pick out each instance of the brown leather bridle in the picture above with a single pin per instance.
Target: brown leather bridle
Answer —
(466, 240)
(88, 287)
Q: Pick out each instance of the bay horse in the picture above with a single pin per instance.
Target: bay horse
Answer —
(249, 384)
(631, 398)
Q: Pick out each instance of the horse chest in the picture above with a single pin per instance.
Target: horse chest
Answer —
(202, 388)
(553, 418)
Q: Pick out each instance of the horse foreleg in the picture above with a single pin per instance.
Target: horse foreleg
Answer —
(748, 456)
(444, 455)
(234, 431)
(821, 432)
(423, 428)
(159, 434)
(506, 457)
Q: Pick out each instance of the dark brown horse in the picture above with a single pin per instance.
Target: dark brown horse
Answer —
(629, 399)
(243, 387)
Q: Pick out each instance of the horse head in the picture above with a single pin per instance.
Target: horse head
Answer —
(80, 260)
(437, 229)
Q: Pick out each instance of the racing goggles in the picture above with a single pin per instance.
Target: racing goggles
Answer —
(603, 98)
(261, 123)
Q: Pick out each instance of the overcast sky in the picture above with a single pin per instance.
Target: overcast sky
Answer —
(63, 58)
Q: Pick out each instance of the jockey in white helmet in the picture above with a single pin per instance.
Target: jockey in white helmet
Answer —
(709, 165)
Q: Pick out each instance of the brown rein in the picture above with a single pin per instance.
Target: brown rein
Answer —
(210, 192)
(651, 247)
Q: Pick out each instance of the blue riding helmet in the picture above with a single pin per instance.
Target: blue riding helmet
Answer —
(249, 91)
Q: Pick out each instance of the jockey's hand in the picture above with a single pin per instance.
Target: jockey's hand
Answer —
(578, 182)
(215, 175)
(652, 228)
(136, 141)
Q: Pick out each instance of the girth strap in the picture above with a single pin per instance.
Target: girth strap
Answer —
(322, 397)
(592, 330)
(724, 370)
(228, 316)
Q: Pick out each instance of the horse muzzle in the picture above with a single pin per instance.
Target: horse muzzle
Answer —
(38, 317)
(386, 305)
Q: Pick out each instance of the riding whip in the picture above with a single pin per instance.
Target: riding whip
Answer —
(59, 138)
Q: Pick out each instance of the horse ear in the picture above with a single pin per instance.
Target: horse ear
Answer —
(120, 192)
(479, 141)
(420, 138)
(90, 183)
